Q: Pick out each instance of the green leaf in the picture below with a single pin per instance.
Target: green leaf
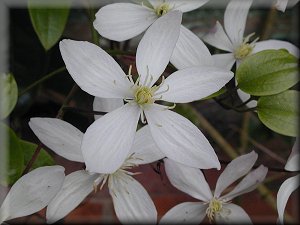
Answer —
(48, 23)
(280, 112)
(268, 72)
(43, 159)
(12, 158)
(8, 94)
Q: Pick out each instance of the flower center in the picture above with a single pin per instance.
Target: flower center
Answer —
(215, 206)
(144, 95)
(245, 48)
(162, 9)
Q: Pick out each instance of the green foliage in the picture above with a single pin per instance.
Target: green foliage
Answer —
(43, 159)
(280, 112)
(268, 72)
(12, 156)
(48, 23)
(8, 95)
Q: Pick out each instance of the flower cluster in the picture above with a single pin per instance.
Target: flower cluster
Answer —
(112, 145)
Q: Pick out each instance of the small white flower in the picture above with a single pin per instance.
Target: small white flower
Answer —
(291, 183)
(107, 141)
(215, 206)
(234, 41)
(32, 192)
(122, 21)
(131, 201)
(281, 5)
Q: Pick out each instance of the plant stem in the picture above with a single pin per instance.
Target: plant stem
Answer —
(44, 78)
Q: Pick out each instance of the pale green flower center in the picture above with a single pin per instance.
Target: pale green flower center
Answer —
(162, 9)
(215, 206)
(144, 95)
(245, 48)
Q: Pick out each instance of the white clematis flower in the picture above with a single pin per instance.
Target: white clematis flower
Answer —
(281, 5)
(107, 142)
(123, 21)
(32, 192)
(233, 40)
(216, 207)
(291, 183)
(131, 201)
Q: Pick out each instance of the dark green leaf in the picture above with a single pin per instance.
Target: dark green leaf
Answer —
(8, 95)
(48, 23)
(280, 112)
(268, 72)
(43, 159)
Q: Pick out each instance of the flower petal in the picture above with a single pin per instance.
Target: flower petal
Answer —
(144, 148)
(106, 105)
(225, 60)
(190, 51)
(187, 5)
(235, 18)
(155, 49)
(276, 44)
(232, 214)
(185, 213)
(95, 71)
(218, 38)
(180, 139)
(294, 158)
(131, 201)
(188, 179)
(108, 140)
(76, 187)
(32, 192)
(281, 5)
(284, 193)
(249, 183)
(194, 83)
(235, 170)
(61, 137)
(123, 21)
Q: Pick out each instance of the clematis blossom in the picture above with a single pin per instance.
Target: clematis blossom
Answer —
(107, 142)
(215, 206)
(131, 201)
(291, 184)
(32, 192)
(233, 41)
(281, 5)
(123, 21)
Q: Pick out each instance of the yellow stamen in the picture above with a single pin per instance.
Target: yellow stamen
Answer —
(215, 206)
(162, 9)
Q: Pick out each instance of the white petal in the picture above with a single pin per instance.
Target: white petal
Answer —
(155, 49)
(144, 148)
(225, 60)
(218, 38)
(61, 137)
(185, 213)
(284, 193)
(186, 5)
(276, 44)
(188, 179)
(237, 168)
(32, 192)
(248, 183)
(106, 105)
(190, 51)
(232, 214)
(180, 139)
(131, 201)
(294, 158)
(107, 141)
(122, 21)
(281, 5)
(76, 187)
(235, 18)
(95, 71)
(194, 83)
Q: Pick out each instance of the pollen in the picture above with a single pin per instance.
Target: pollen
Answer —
(215, 206)
(144, 95)
(243, 51)
(162, 9)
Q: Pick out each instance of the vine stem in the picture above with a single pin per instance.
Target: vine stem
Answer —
(230, 151)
